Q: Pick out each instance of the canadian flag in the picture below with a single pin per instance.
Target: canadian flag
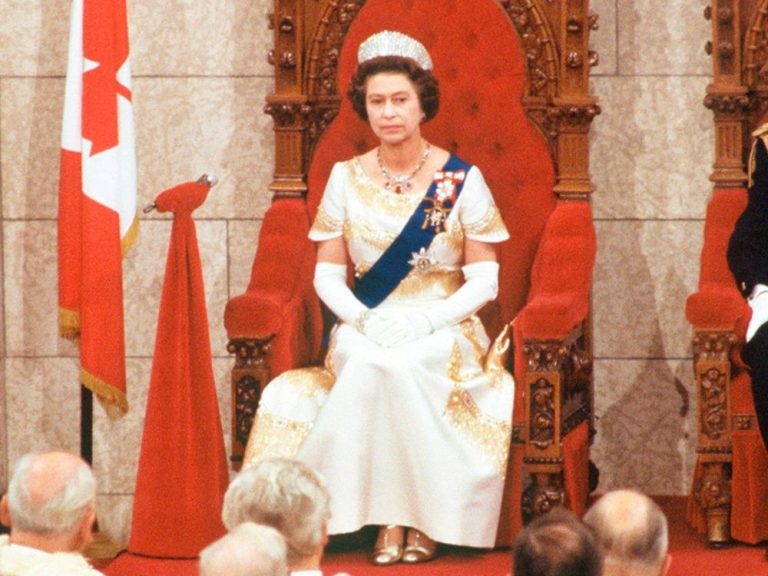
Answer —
(97, 195)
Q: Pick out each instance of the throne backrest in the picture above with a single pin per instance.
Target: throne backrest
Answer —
(482, 70)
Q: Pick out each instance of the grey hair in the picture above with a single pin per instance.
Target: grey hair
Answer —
(248, 550)
(47, 504)
(285, 494)
(631, 528)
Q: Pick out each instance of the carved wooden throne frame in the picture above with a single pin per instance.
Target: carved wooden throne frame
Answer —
(557, 382)
(738, 98)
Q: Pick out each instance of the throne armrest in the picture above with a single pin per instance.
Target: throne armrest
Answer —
(276, 324)
(280, 303)
(561, 276)
(556, 362)
(717, 306)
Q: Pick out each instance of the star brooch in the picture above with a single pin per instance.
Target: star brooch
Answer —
(421, 260)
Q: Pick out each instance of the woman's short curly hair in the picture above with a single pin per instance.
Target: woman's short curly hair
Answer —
(425, 82)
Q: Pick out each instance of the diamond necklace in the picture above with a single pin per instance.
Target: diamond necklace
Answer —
(401, 182)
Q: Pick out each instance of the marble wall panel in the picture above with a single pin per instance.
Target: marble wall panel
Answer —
(184, 127)
(214, 38)
(113, 512)
(117, 442)
(663, 38)
(30, 285)
(643, 274)
(42, 405)
(189, 126)
(173, 38)
(30, 136)
(646, 425)
(33, 37)
(4, 466)
(144, 274)
(652, 148)
(243, 243)
(603, 40)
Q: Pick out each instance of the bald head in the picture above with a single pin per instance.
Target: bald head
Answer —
(632, 530)
(50, 493)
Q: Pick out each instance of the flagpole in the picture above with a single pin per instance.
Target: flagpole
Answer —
(86, 424)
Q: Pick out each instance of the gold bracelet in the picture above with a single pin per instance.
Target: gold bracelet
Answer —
(361, 319)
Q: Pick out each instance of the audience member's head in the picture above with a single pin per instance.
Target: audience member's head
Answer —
(288, 496)
(556, 544)
(632, 531)
(247, 550)
(50, 502)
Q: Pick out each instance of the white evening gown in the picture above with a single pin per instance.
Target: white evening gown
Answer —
(416, 435)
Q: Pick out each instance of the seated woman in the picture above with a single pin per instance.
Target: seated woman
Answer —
(409, 421)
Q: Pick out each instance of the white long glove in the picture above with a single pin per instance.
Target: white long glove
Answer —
(481, 285)
(758, 301)
(331, 286)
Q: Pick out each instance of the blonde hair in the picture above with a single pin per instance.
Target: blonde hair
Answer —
(285, 494)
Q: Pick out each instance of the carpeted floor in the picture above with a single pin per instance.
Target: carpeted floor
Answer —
(690, 557)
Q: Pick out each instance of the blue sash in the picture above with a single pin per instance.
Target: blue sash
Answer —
(425, 223)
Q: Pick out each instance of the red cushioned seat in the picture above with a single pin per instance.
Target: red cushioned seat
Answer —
(502, 109)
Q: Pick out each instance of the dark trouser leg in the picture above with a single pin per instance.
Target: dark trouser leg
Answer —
(755, 354)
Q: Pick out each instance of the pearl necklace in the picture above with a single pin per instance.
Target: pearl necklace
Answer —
(401, 182)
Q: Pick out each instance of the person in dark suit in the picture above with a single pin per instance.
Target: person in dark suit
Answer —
(748, 261)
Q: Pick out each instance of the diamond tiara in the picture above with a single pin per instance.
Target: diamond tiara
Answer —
(390, 43)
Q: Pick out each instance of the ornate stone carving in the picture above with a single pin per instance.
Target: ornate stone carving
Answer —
(545, 356)
(572, 115)
(247, 395)
(756, 47)
(594, 21)
(742, 421)
(319, 120)
(287, 25)
(544, 493)
(714, 488)
(249, 376)
(725, 49)
(539, 51)
(574, 60)
(726, 103)
(288, 115)
(713, 401)
(325, 52)
(250, 353)
(541, 431)
(574, 25)
(714, 345)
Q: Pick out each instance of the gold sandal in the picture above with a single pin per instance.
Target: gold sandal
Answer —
(389, 546)
(419, 547)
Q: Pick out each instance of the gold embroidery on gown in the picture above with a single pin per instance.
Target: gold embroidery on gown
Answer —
(274, 437)
(324, 223)
(447, 388)
(491, 435)
(490, 223)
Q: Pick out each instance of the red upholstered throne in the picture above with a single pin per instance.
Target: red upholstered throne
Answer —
(513, 77)
(729, 495)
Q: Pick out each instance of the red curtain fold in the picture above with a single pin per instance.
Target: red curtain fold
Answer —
(182, 473)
